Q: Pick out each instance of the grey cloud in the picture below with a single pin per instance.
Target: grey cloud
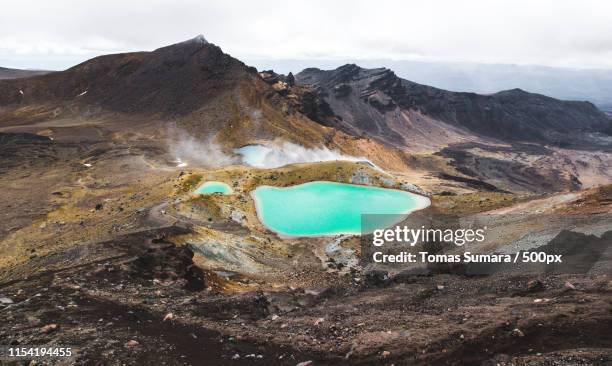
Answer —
(64, 32)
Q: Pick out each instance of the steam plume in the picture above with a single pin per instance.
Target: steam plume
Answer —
(187, 150)
(282, 153)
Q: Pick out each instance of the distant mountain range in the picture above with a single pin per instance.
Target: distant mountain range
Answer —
(594, 85)
(6, 73)
(182, 78)
(401, 112)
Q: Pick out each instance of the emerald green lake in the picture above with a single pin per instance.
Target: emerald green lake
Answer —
(214, 187)
(329, 208)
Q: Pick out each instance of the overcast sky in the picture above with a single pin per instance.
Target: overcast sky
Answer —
(60, 33)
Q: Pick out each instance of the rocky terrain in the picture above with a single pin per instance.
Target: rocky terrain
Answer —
(405, 107)
(105, 246)
(513, 139)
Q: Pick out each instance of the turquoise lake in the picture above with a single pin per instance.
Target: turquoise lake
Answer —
(214, 187)
(329, 208)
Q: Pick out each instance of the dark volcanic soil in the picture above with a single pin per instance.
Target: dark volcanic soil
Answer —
(122, 290)
(91, 251)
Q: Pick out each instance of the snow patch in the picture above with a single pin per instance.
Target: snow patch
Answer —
(199, 39)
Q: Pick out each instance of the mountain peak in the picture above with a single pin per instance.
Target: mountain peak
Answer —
(349, 67)
(174, 80)
(198, 39)
(515, 91)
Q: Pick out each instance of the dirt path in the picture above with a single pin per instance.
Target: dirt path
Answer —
(538, 205)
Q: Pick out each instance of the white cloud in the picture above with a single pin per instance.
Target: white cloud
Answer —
(559, 33)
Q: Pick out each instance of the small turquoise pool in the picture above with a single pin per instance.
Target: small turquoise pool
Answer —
(214, 187)
(329, 208)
